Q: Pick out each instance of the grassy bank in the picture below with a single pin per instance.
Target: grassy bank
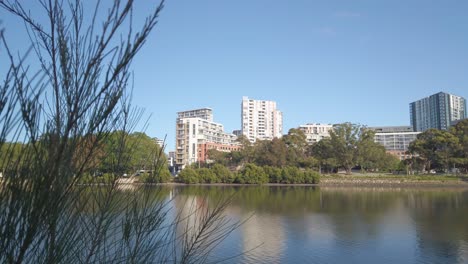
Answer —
(390, 179)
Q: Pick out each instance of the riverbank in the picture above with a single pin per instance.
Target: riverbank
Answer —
(354, 180)
(394, 180)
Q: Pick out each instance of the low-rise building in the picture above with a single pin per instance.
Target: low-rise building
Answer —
(315, 131)
(395, 139)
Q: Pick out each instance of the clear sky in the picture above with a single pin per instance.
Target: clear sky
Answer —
(321, 61)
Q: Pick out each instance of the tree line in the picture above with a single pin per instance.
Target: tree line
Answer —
(352, 146)
(440, 150)
(116, 153)
(349, 146)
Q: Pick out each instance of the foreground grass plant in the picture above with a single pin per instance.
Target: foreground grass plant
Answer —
(61, 113)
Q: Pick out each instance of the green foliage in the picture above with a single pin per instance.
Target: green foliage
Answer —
(206, 176)
(272, 153)
(344, 139)
(222, 173)
(323, 152)
(460, 130)
(161, 176)
(435, 147)
(274, 174)
(189, 175)
(218, 157)
(136, 151)
(291, 174)
(296, 144)
(311, 177)
(253, 174)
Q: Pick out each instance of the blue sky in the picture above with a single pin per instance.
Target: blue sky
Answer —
(321, 61)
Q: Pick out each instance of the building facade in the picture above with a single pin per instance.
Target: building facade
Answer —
(316, 132)
(395, 139)
(437, 111)
(261, 120)
(196, 133)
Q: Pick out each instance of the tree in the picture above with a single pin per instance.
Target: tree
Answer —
(460, 130)
(371, 155)
(218, 156)
(435, 148)
(296, 144)
(344, 139)
(324, 153)
(270, 153)
(62, 113)
(247, 150)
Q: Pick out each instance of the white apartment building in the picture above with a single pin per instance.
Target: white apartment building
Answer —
(195, 130)
(395, 139)
(261, 120)
(315, 132)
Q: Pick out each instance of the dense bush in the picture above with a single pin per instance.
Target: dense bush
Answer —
(189, 175)
(311, 177)
(251, 174)
(206, 175)
(292, 175)
(274, 174)
(222, 173)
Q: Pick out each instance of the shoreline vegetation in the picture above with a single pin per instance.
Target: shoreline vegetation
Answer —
(355, 180)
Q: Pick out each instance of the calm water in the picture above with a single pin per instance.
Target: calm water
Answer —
(340, 225)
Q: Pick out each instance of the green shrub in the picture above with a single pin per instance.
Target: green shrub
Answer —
(253, 174)
(222, 173)
(206, 176)
(158, 177)
(311, 177)
(292, 175)
(273, 173)
(189, 175)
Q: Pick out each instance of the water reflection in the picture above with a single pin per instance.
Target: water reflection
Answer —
(342, 225)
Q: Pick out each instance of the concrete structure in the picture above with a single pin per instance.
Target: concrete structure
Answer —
(261, 120)
(437, 111)
(395, 139)
(316, 131)
(196, 133)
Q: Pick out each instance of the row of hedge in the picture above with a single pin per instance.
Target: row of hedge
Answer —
(250, 174)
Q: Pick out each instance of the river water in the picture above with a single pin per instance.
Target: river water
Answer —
(303, 224)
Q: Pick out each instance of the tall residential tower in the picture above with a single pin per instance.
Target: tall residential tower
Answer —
(261, 120)
(437, 111)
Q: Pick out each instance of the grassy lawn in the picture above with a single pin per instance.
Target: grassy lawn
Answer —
(383, 176)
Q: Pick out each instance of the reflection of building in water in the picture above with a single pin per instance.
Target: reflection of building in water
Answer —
(463, 257)
(190, 210)
(263, 238)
